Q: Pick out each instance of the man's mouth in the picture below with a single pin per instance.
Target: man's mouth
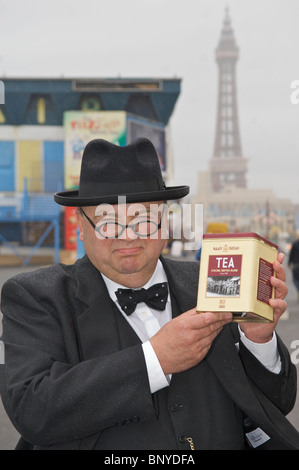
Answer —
(128, 250)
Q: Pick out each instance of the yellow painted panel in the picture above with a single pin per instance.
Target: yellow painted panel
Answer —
(2, 117)
(41, 111)
(29, 164)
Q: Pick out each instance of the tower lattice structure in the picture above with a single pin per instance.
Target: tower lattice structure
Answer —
(228, 167)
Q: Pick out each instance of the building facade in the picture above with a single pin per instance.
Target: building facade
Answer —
(32, 134)
(44, 127)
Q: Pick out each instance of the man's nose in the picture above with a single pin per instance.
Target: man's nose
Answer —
(129, 233)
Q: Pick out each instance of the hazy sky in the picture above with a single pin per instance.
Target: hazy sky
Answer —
(171, 38)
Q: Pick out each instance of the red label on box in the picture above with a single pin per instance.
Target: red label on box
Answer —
(264, 287)
(223, 265)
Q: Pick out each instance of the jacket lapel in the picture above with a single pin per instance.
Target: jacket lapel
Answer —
(183, 294)
(96, 328)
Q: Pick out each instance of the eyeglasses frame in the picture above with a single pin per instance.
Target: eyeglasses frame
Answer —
(132, 226)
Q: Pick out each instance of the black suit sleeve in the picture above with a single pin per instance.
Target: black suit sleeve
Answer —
(279, 388)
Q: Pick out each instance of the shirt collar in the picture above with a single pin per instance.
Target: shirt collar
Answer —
(159, 275)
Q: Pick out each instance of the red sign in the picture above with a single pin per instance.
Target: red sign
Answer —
(222, 265)
(70, 231)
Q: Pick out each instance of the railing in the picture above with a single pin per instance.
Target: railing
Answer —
(31, 207)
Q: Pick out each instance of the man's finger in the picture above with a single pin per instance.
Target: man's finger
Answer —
(278, 267)
(278, 304)
(280, 286)
(206, 319)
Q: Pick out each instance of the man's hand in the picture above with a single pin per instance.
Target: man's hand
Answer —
(185, 340)
(263, 332)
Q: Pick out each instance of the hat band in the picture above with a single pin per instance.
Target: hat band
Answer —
(108, 189)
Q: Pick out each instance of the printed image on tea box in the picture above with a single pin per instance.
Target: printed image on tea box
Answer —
(224, 276)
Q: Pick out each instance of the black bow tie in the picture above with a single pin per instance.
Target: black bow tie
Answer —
(155, 297)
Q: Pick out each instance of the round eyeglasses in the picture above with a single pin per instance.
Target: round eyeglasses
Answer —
(108, 229)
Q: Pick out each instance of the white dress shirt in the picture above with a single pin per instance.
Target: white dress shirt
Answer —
(146, 322)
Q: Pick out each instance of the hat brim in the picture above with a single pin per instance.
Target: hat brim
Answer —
(72, 198)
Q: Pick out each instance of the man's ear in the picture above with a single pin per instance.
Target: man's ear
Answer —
(80, 222)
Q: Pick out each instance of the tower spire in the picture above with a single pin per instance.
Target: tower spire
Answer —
(227, 41)
(228, 166)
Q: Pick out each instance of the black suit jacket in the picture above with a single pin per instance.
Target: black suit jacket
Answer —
(75, 375)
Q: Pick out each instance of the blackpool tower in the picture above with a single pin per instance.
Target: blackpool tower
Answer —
(227, 166)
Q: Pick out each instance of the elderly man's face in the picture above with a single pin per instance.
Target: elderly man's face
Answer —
(131, 258)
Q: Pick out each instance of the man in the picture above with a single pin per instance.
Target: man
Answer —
(86, 370)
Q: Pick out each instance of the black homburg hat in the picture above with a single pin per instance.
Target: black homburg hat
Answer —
(109, 171)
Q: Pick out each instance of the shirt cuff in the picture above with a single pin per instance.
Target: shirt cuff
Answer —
(266, 353)
(157, 378)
